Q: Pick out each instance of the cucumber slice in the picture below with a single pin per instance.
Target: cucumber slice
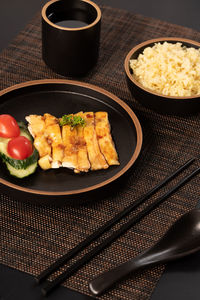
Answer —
(21, 173)
(27, 135)
(17, 163)
(24, 131)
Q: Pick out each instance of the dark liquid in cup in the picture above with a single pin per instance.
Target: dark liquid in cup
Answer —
(71, 19)
(71, 23)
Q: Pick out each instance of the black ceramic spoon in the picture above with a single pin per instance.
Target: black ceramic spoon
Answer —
(182, 238)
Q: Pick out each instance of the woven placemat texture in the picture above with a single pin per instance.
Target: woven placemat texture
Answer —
(32, 237)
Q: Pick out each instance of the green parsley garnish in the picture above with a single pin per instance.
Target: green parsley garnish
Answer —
(72, 121)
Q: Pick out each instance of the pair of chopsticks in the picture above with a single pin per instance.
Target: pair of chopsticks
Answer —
(49, 286)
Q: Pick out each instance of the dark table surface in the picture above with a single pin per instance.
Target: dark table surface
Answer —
(180, 279)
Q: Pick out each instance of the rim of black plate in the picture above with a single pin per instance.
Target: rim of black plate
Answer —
(102, 91)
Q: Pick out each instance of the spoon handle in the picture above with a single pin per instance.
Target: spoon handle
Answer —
(100, 284)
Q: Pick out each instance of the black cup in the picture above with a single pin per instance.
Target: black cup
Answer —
(70, 36)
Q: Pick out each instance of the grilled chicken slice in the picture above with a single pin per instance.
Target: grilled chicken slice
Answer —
(106, 144)
(54, 137)
(96, 158)
(45, 162)
(69, 136)
(42, 145)
(53, 133)
(36, 126)
(83, 164)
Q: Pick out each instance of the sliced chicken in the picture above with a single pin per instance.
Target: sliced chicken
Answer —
(36, 124)
(37, 127)
(96, 158)
(82, 148)
(106, 144)
(69, 136)
(42, 145)
(83, 164)
(53, 133)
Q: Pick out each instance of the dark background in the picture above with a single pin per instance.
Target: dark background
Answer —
(181, 279)
(14, 14)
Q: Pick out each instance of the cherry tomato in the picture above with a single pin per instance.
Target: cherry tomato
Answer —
(19, 147)
(8, 127)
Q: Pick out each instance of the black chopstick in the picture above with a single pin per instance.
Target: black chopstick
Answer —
(97, 233)
(96, 250)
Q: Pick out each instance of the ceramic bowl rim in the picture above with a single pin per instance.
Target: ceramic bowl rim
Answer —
(146, 43)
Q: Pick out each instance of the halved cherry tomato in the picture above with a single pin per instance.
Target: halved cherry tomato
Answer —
(20, 147)
(8, 127)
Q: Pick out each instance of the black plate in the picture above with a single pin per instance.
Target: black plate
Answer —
(60, 97)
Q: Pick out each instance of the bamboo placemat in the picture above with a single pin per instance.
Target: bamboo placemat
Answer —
(32, 237)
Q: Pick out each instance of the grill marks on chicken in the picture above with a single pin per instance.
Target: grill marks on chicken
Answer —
(81, 148)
